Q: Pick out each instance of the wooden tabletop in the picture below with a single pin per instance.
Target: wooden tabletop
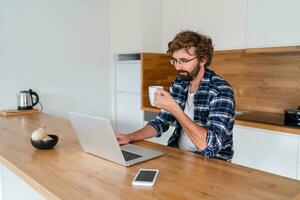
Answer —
(66, 172)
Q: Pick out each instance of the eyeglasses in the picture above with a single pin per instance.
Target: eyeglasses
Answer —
(173, 61)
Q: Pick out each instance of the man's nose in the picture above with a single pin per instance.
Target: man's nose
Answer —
(177, 66)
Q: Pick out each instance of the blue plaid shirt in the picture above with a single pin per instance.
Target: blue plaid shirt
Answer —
(214, 107)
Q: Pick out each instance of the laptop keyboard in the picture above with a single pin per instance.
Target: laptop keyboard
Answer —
(129, 156)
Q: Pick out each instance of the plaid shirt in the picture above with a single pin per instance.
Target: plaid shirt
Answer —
(214, 107)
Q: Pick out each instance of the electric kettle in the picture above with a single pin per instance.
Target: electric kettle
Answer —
(26, 100)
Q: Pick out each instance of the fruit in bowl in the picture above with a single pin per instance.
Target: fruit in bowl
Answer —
(41, 140)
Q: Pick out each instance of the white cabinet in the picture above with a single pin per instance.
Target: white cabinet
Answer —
(129, 77)
(273, 23)
(298, 165)
(129, 115)
(1, 184)
(232, 24)
(223, 20)
(136, 26)
(126, 26)
(270, 151)
(15, 188)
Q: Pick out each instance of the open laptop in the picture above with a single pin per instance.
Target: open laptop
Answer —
(97, 137)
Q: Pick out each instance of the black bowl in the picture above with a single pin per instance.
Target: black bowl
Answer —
(40, 144)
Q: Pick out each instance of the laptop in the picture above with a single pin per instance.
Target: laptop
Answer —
(97, 137)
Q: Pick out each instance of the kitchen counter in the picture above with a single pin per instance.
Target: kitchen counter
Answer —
(270, 121)
(66, 172)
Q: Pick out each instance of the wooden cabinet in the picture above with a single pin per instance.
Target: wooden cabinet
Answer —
(270, 151)
(129, 116)
(14, 187)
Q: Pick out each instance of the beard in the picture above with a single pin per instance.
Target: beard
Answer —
(189, 76)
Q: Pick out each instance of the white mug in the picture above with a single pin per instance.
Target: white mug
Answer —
(152, 90)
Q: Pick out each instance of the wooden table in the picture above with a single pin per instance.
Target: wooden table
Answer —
(66, 172)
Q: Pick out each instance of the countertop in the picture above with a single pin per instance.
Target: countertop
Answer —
(66, 172)
(270, 121)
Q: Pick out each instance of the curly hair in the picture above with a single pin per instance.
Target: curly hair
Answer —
(186, 39)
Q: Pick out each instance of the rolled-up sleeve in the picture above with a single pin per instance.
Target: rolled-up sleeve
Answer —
(219, 122)
(162, 122)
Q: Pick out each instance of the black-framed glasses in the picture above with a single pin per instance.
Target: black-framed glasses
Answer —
(173, 61)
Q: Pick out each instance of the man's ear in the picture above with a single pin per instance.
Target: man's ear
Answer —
(202, 61)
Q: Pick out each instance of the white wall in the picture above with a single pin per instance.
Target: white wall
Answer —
(59, 48)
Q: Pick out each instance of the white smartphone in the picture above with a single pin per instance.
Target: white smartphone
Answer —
(145, 177)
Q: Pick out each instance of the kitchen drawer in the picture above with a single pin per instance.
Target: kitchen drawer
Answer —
(270, 151)
(129, 76)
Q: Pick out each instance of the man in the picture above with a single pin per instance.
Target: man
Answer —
(200, 102)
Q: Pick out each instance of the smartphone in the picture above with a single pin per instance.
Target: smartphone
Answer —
(145, 177)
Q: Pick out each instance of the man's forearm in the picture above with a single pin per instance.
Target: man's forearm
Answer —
(147, 131)
(195, 132)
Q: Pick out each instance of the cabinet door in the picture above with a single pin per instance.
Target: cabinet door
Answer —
(223, 20)
(272, 23)
(129, 114)
(126, 24)
(15, 188)
(129, 76)
(1, 186)
(265, 150)
(298, 166)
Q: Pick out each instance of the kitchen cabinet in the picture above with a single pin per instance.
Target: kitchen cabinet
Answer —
(135, 27)
(14, 187)
(272, 23)
(224, 20)
(129, 116)
(126, 26)
(1, 185)
(232, 24)
(271, 151)
(298, 165)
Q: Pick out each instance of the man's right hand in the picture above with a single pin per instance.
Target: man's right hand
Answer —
(123, 138)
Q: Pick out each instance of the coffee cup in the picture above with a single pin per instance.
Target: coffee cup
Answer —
(152, 90)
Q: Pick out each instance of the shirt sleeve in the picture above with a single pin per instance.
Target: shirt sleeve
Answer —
(218, 126)
(162, 122)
